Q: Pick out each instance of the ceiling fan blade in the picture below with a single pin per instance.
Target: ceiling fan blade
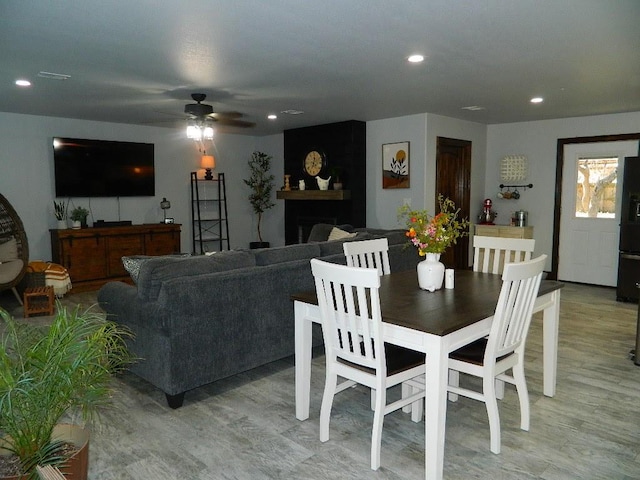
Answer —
(235, 123)
(220, 115)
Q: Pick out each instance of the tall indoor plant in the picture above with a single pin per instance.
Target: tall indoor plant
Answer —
(261, 183)
(48, 373)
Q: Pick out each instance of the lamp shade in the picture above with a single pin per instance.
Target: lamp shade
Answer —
(208, 161)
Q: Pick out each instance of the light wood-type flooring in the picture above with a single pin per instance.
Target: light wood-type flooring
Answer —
(245, 428)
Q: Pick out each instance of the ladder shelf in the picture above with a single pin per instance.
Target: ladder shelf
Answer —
(209, 220)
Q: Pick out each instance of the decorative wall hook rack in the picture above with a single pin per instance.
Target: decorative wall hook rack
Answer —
(530, 185)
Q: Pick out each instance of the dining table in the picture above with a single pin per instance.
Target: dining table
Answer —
(434, 323)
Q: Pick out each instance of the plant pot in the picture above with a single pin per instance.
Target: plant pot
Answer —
(254, 245)
(62, 224)
(77, 466)
(75, 224)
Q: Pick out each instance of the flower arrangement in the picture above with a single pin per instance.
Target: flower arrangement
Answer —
(433, 234)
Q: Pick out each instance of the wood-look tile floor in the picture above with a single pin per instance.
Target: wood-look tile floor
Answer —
(244, 427)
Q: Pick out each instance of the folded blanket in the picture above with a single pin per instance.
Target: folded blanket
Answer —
(54, 275)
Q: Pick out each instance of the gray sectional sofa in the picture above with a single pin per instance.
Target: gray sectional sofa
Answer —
(198, 319)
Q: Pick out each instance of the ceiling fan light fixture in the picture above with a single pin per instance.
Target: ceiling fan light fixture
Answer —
(207, 132)
(194, 132)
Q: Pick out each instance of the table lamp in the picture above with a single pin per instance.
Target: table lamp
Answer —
(208, 162)
(164, 205)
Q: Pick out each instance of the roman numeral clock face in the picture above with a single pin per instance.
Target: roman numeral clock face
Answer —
(313, 163)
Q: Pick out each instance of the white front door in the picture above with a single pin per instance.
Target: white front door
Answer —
(588, 250)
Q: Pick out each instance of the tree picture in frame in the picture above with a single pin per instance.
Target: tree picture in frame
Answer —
(395, 165)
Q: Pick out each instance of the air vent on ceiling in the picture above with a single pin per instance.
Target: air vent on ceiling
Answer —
(54, 76)
(292, 112)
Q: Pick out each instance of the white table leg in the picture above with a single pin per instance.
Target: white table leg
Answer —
(302, 359)
(435, 407)
(550, 325)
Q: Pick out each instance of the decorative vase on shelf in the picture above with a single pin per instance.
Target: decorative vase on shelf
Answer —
(431, 272)
(62, 224)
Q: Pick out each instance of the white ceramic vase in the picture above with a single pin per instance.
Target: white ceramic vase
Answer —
(431, 272)
(62, 224)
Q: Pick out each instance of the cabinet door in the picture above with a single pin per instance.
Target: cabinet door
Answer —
(122, 246)
(162, 243)
(84, 258)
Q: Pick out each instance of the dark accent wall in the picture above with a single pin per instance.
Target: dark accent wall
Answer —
(344, 145)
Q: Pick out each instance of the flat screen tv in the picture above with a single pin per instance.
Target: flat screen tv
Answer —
(101, 168)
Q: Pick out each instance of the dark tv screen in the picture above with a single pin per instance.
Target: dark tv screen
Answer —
(102, 168)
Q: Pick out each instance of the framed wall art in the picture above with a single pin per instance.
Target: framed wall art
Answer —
(395, 165)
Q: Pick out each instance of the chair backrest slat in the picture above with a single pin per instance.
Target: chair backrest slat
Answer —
(368, 254)
(490, 254)
(520, 284)
(349, 305)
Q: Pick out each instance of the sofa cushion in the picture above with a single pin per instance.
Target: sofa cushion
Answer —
(10, 270)
(335, 246)
(320, 231)
(339, 234)
(133, 263)
(8, 250)
(289, 253)
(157, 270)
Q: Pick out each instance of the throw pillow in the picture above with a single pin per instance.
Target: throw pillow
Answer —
(338, 234)
(9, 250)
(132, 265)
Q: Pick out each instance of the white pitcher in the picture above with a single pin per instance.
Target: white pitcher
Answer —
(323, 184)
(301, 185)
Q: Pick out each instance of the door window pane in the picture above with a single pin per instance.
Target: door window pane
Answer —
(596, 187)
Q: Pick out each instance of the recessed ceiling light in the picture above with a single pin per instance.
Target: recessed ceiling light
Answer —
(292, 112)
(537, 100)
(473, 108)
(23, 83)
(273, 116)
(416, 58)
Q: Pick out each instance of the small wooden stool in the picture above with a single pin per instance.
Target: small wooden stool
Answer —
(38, 300)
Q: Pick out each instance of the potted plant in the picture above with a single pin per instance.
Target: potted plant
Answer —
(60, 213)
(261, 183)
(336, 174)
(51, 373)
(79, 217)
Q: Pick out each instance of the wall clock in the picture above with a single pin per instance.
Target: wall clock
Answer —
(314, 162)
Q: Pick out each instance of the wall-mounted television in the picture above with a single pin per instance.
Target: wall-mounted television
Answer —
(102, 168)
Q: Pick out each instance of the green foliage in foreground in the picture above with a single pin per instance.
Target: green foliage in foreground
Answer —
(47, 372)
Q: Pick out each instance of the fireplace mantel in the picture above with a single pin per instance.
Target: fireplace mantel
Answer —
(313, 194)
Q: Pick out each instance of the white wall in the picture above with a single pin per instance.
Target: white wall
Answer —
(26, 177)
(382, 204)
(26, 170)
(538, 141)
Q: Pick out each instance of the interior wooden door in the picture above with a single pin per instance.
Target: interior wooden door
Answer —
(453, 180)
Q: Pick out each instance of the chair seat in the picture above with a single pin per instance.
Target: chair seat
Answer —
(473, 352)
(399, 359)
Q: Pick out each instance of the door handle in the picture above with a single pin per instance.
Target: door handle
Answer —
(628, 256)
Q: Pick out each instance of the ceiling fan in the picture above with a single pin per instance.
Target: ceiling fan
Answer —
(202, 113)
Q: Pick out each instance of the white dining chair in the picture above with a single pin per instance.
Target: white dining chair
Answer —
(491, 253)
(491, 357)
(368, 254)
(349, 304)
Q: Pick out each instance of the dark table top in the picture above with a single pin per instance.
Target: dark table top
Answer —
(403, 303)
